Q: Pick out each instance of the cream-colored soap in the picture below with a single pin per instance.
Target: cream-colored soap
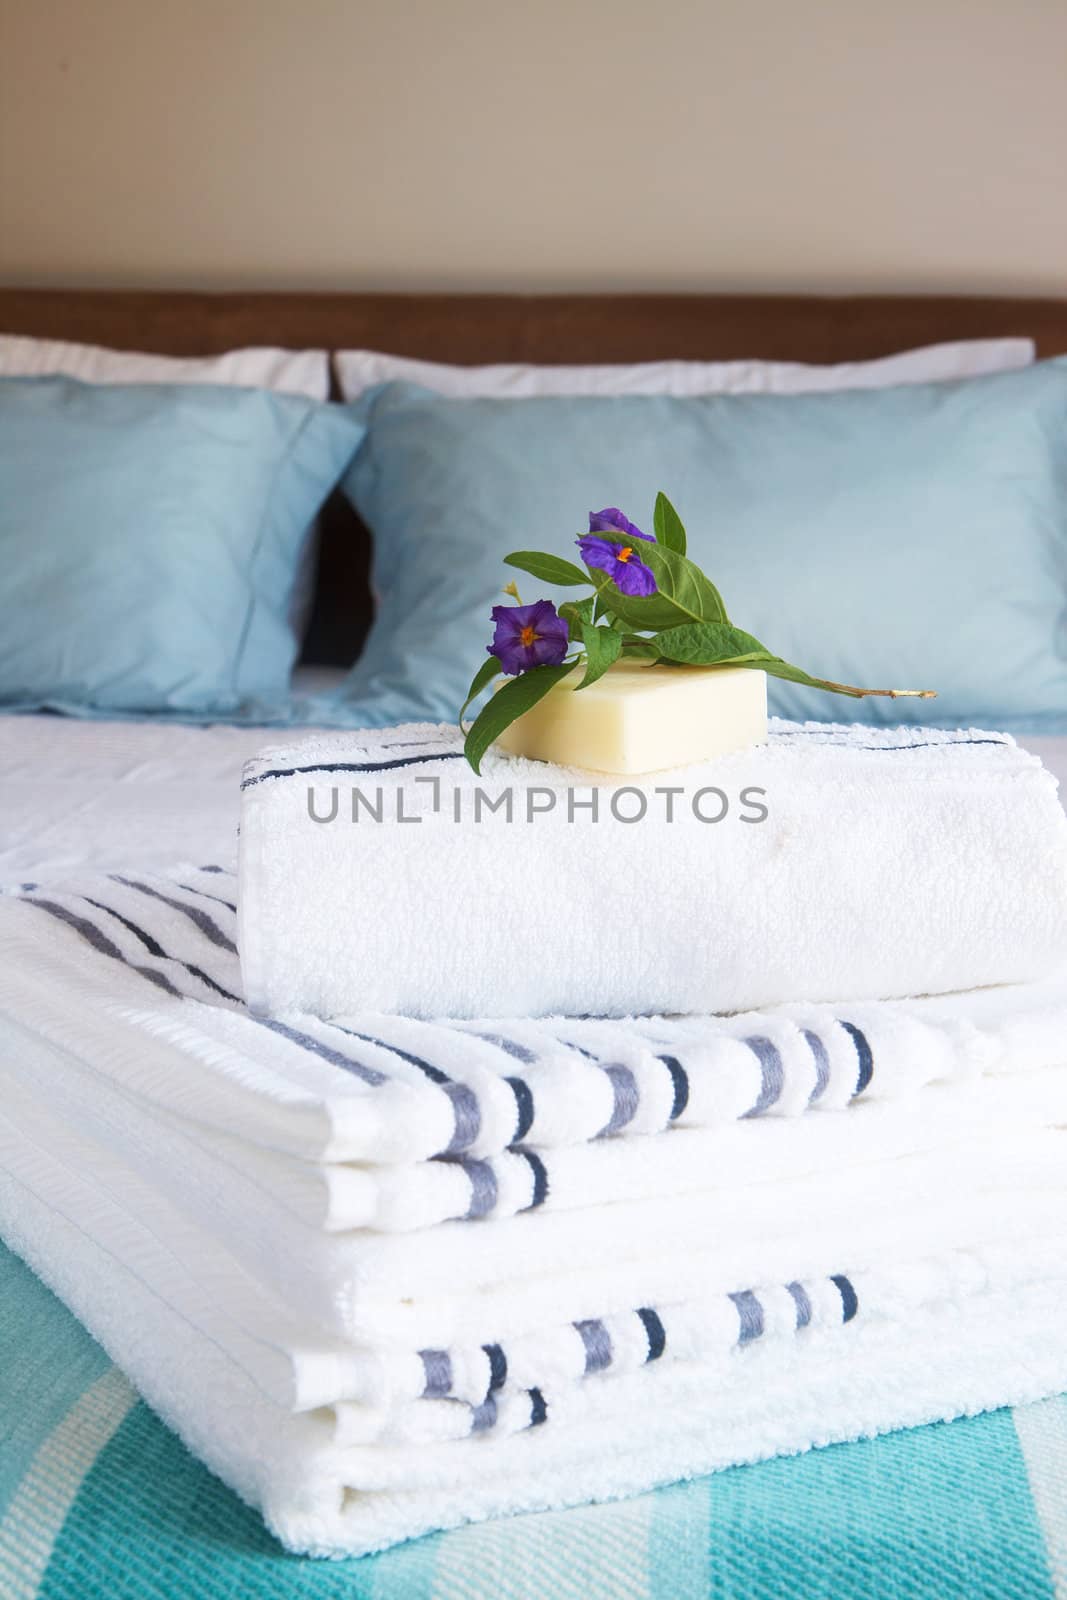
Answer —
(642, 717)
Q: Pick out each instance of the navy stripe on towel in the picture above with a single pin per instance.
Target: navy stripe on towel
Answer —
(468, 1115)
(540, 1178)
(484, 1416)
(349, 766)
(434, 1074)
(627, 1099)
(865, 1054)
(538, 1408)
(580, 1050)
(657, 1337)
(802, 1303)
(822, 1064)
(770, 1060)
(466, 1112)
(680, 1080)
(336, 1058)
(100, 942)
(199, 918)
(437, 1365)
(750, 1314)
(198, 972)
(889, 749)
(517, 1051)
(498, 1366)
(597, 1341)
(483, 1188)
(153, 946)
(217, 899)
(524, 1105)
(849, 1299)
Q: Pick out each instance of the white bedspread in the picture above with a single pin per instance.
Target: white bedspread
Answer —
(117, 794)
(111, 795)
(122, 794)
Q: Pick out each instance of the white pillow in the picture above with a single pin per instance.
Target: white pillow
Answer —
(305, 372)
(358, 370)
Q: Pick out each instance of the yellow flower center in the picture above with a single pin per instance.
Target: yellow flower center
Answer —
(626, 552)
(528, 636)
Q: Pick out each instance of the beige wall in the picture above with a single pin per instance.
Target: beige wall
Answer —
(909, 144)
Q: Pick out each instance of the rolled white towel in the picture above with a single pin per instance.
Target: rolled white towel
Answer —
(831, 864)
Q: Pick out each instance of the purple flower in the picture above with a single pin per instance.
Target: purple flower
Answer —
(626, 570)
(529, 636)
(611, 520)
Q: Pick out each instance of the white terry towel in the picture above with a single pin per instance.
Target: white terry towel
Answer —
(1006, 1229)
(246, 1180)
(321, 1494)
(137, 977)
(460, 1286)
(888, 863)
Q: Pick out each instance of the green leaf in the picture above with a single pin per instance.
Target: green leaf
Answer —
(644, 616)
(517, 696)
(667, 525)
(710, 644)
(683, 595)
(681, 582)
(705, 644)
(482, 679)
(577, 612)
(603, 647)
(550, 569)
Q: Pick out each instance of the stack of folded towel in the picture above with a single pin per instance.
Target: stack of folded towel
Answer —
(404, 1244)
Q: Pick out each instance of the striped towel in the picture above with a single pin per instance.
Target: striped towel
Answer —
(98, 1498)
(156, 956)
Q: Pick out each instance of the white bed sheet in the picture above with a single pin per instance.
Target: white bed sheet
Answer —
(132, 795)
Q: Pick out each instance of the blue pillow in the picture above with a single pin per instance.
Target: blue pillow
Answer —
(910, 537)
(150, 538)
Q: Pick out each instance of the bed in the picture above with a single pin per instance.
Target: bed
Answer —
(972, 1507)
(109, 791)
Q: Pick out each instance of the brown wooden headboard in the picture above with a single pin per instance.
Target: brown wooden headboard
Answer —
(471, 329)
(551, 328)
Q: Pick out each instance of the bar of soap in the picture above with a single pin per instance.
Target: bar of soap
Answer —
(641, 717)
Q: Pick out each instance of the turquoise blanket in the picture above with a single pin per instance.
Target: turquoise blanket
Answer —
(99, 1501)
